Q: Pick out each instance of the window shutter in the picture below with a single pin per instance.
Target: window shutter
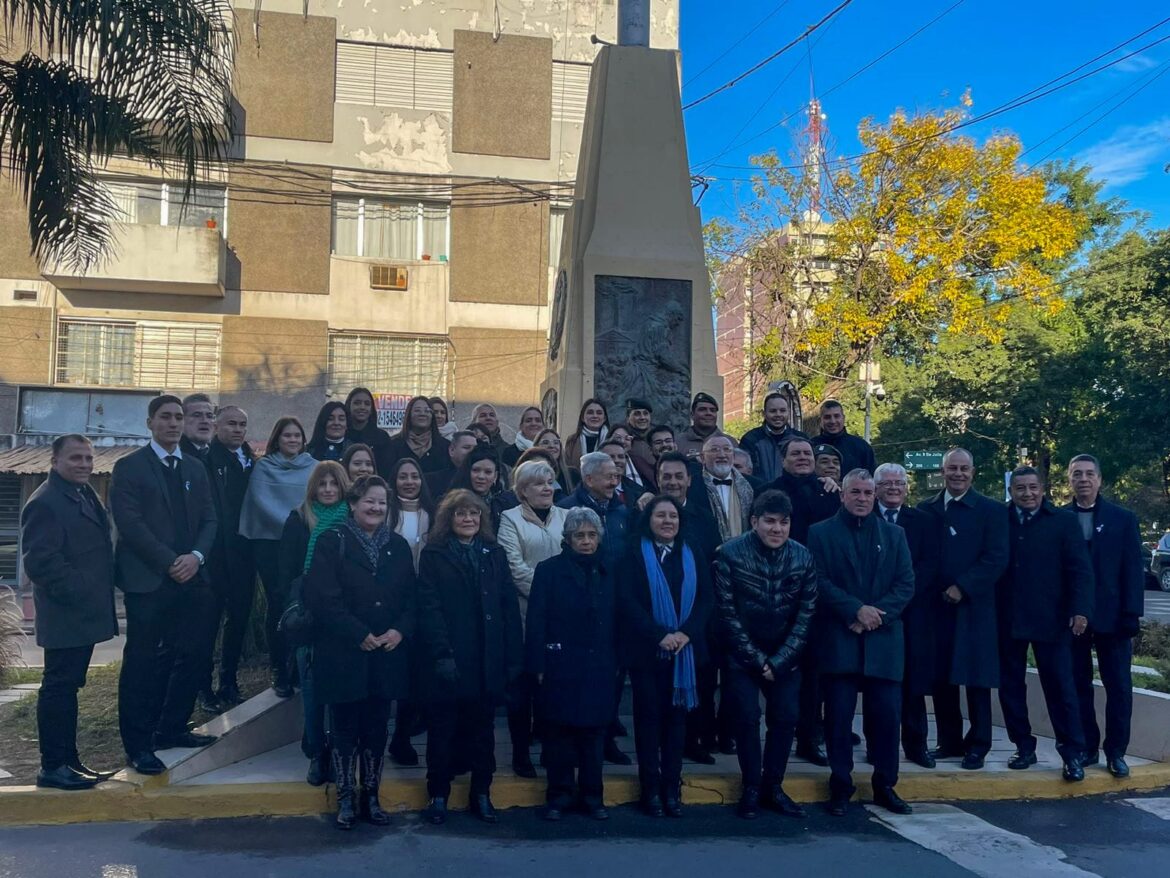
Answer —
(434, 81)
(177, 356)
(570, 91)
(354, 80)
(394, 78)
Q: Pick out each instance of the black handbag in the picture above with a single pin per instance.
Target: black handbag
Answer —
(296, 622)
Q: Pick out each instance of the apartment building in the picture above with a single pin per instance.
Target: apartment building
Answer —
(390, 218)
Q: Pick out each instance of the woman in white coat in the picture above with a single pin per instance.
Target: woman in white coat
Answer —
(529, 533)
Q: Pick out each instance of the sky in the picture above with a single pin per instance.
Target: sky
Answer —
(996, 49)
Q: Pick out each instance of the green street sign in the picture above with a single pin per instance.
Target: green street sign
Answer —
(934, 481)
(923, 460)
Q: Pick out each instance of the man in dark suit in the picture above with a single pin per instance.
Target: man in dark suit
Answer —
(629, 492)
(865, 579)
(973, 536)
(162, 507)
(68, 555)
(918, 617)
(460, 445)
(1045, 599)
(1115, 549)
(233, 572)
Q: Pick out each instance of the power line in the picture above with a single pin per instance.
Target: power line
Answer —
(738, 42)
(738, 79)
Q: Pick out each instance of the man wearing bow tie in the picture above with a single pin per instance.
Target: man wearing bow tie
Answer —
(1115, 549)
(68, 555)
(1045, 601)
(162, 507)
(730, 494)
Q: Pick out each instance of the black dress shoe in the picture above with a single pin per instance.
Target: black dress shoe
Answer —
(436, 811)
(923, 758)
(699, 755)
(1093, 758)
(891, 801)
(837, 806)
(1118, 767)
(947, 753)
(652, 807)
(523, 768)
(1072, 771)
(727, 746)
(146, 763)
(972, 762)
(65, 777)
(775, 799)
(209, 703)
(749, 803)
(283, 689)
(1021, 759)
(598, 812)
(481, 806)
(82, 768)
(229, 694)
(552, 813)
(615, 755)
(403, 753)
(187, 740)
(814, 753)
(316, 776)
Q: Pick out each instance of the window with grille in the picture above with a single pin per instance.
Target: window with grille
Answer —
(390, 228)
(9, 528)
(388, 364)
(167, 356)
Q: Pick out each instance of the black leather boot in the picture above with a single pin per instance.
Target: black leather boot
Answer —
(345, 771)
(371, 808)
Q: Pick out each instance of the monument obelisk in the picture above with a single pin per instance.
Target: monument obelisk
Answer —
(632, 310)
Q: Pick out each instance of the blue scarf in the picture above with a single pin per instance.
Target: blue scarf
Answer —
(686, 693)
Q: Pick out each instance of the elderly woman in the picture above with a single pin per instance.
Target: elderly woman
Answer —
(275, 488)
(324, 507)
(665, 599)
(470, 648)
(529, 533)
(570, 649)
(360, 589)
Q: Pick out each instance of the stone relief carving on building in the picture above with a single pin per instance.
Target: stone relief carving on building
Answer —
(642, 345)
(557, 324)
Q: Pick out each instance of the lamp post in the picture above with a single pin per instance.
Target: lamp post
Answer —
(633, 23)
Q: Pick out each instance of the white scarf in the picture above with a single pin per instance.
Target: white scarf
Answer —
(586, 432)
(522, 443)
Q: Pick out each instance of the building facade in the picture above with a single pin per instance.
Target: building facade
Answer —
(390, 218)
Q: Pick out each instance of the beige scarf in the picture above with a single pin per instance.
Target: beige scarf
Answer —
(420, 444)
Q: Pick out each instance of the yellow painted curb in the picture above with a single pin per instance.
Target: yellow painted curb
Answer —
(116, 801)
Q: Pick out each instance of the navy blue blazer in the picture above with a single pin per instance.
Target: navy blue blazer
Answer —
(1116, 552)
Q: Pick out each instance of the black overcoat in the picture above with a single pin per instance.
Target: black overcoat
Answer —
(973, 540)
(437, 457)
(474, 620)
(1049, 578)
(1115, 550)
(639, 632)
(918, 619)
(811, 503)
(69, 556)
(350, 598)
(874, 570)
(571, 640)
(228, 480)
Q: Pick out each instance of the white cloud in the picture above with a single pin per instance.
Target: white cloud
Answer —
(1129, 153)
(1136, 64)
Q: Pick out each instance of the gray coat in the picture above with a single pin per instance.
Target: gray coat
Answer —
(69, 557)
(861, 562)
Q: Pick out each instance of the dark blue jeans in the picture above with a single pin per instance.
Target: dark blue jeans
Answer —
(313, 740)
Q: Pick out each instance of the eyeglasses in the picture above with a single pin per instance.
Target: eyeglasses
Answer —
(891, 484)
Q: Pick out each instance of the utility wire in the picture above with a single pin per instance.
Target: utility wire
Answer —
(738, 42)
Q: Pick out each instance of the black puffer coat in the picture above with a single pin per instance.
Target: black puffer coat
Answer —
(766, 599)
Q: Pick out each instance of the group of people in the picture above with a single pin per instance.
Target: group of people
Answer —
(425, 580)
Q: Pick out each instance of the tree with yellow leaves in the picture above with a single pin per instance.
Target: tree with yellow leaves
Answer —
(925, 232)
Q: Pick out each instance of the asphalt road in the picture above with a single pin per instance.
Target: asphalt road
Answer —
(1158, 606)
(1107, 837)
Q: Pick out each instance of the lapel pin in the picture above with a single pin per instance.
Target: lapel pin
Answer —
(187, 485)
(1100, 528)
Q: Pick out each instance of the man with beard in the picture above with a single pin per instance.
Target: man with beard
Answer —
(729, 493)
(855, 451)
(765, 443)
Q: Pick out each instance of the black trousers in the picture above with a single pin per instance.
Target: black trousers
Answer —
(948, 719)
(234, 597)
(781, 708)
(267, 557)
(566, 747)
(65, 671)
(710, 723)
(915, 727)
(1114, 655)
(810, 727)
(469, 725)
(1054, 663)
(361, 725)
(520, 703)
(660, 730)
(882, 704)
(163, 661)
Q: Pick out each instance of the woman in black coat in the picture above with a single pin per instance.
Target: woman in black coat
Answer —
(664, 601)
(482, 473)
(360, 589)
(570, 649)
(419, 438)
(329, 441)
(470, 647)
(362, 427)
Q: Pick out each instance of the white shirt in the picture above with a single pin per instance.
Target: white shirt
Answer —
(243, 458)
(723, 491)
(950, 497)
(883, 509)
(163, 454)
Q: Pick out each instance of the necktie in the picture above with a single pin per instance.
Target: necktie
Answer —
(171, 461)
(722, 481)
(892, 516)
(86, 502)
(663, 552)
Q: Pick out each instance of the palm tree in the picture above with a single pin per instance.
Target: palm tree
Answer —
(84, 80)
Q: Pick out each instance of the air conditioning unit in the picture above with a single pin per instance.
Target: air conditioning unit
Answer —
(388, 277)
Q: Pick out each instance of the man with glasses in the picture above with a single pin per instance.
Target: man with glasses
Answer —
(918, 617)
(198, 426)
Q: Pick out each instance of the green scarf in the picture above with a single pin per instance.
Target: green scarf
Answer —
(327, 517)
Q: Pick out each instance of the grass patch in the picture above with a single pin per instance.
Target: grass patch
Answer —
(97, 727)
(22, 676)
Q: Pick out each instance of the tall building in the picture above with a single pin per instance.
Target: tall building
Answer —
(389, 218)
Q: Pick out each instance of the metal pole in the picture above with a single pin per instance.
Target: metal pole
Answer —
(633, 23)
(868, 397)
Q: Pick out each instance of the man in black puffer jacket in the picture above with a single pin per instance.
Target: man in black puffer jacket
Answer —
(766, 590)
